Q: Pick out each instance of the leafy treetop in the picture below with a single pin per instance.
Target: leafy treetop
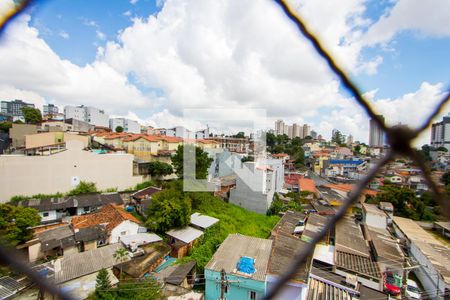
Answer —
(32, 115)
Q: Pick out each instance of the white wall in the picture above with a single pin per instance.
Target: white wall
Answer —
(31, 175)
(376, 220)
(52, 215)
(126, 227)
(292, 290)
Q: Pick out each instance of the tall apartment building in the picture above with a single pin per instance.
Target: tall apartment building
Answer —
(440, 133)
(279, 127)
(50, 109)
(290, 132)
(14, 109)
(306, 130)
(127, 125)
(376, 135)
(313, 134)
(87, 114)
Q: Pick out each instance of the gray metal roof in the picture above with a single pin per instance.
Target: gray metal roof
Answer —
(79, 264)
(358, 264)
(62, 236)
(186, 234)
(387, 249)
(203, 221)
(139, 239)
(349, 238)
(236, 246)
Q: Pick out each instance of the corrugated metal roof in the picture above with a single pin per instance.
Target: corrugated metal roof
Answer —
(203, 221)
(236, 246)
(140, 239)
(186, 234)
(79, 264)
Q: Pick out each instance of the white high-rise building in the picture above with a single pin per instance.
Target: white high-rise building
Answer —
(279, 127)
(440, 133)
(127, 125)
(376, 135)
(306, 130)
(290, 132)
(297, 130)
(285, 129)
(87, 114)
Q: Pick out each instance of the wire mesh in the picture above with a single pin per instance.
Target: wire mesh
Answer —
(399, 141)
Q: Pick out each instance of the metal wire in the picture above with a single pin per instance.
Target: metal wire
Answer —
(399, 140)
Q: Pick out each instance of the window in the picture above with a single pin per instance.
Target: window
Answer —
(252, 295)
(45, 214)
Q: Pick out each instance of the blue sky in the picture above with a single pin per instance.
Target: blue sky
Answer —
(234, 53)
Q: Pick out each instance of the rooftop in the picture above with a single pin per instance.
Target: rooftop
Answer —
(111, 215)
(180, 272)
(135, 240)
(349, 238)
(361, 265)
(307, 184)
(387, 249)
(436, 252)
(145, 193)
(186, 234)
(56, 237)
(286, 225)
(373, 209)
(90, 233)
(203, 221)
(234, 247)
(314, 225)
(84, 200)
(80, 264)
(349, 187)
(283, 250)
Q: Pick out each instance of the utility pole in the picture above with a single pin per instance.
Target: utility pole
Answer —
(223, 284)
(406, 270)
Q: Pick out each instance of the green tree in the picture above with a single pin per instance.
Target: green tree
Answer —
(119, 129)
(83, 187)
(169, 209)
(240, 134)
(202, 161)
(5, 126)
(338, 138)
(159, 169)
(270, 140)
(441, 148)
(32, 115)
(357, 149)
(102, 282)
(425, 152)
(120, 256)
(248, 158)
(446, 178)
(276, 207)
(15, 223)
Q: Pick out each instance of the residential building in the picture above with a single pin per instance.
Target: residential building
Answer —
(44, 139)
(117, 221)
(349, 140)
(143, 198)
(440, 133)
(55, 209)
(180, 132)
(78, 125)
(182, 240)
(127, 125)
(306, 130)
(18, 132)
(77, 273)
(279, 127)
(63, 171)
(232, 144)
(256, 184)
(297, 131)
(343, 167)
(290, 132)
(374, 216)
(50, 109)
(429, 253)
(376, 135)
(14, 109)
(245, 261)
(147, 147)
(286, 129)
(202, 134)
(91, 115)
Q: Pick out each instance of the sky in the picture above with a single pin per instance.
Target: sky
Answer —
(154, 60)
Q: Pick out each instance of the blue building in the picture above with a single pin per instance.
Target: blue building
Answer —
(245, 261)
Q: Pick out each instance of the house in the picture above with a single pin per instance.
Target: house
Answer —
(432, 256)
(374, 216)
(288, 224)
(55, 241)
(76, 274)
(283, 249)
(90, 238)
(245, 261)
(202, 222)
(345, 189)
(145, 262)
(54, 209)
(133, 241)
(64, 171)
(308, 185)
(256, 184)
(117, 221)
(143, 198)
(182, 240)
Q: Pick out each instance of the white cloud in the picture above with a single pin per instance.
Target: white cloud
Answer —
(64, 35)
(426, 17)
(127, 13)
(134, 1)
(100, 35)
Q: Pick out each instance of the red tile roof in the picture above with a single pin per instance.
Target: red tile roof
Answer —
(307, 184)
(111, 215)
(280, 155)
(349, 187)
(292, 179)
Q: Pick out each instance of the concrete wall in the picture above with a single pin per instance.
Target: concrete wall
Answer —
(61, 172)
(124, 228)
(17, 134)
(51, 138)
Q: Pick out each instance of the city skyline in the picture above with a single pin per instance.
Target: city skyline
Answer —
(98, 59)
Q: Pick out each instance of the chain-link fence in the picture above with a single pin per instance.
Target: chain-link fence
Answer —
(399, 140)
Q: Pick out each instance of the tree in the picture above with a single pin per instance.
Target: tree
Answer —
(425, 151)
(120, 255)
(5, 126)
(32, 115)
(159, 169)
(276, 207)
(119, 129)
(15, 223)
(247, 158)
(357, 149)
(270, 140)
(169, 209)
(83, 187)
(446, 178)
(338, 138)
(202, 161)
(102, 282)
(441, 148)
(240, 134)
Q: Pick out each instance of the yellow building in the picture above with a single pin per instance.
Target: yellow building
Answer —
(53, 138)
